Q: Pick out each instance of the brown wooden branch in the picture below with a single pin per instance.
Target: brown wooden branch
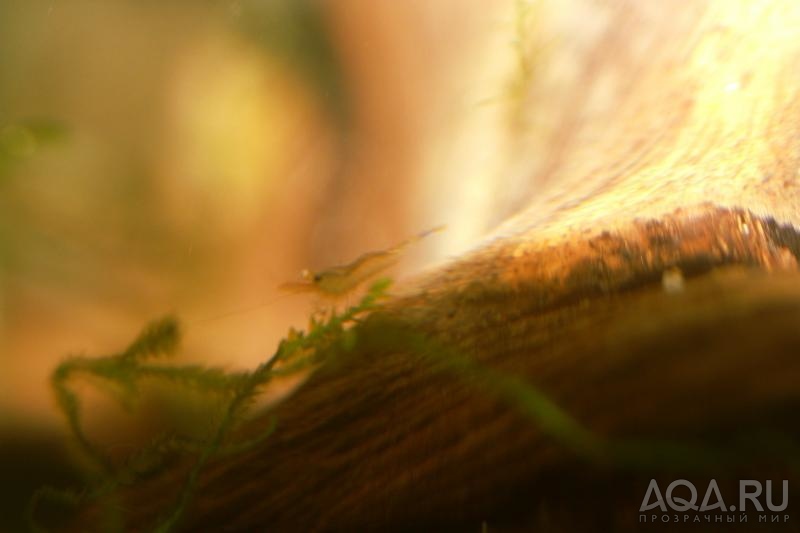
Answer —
(385, 440)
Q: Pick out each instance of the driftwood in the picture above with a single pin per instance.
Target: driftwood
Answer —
(691, 169)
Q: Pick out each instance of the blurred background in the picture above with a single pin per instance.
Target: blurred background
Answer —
(188, 157)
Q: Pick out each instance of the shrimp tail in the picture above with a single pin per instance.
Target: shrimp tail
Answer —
(437, 229)
(417, 237)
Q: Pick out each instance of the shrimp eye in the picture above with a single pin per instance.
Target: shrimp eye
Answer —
(317, 277)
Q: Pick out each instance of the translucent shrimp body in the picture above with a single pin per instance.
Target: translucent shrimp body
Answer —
(341, 280)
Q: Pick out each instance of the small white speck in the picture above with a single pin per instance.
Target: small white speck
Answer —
(745, 229)
(732, 86)
(672, 280)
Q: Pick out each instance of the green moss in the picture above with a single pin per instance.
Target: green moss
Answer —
(124, 373)
(21, 140)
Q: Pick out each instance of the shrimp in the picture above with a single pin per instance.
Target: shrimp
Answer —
(338, 281)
